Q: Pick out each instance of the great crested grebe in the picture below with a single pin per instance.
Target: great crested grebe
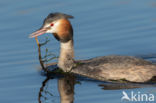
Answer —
(103, 68)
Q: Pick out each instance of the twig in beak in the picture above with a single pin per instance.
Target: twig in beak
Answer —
(39, 55)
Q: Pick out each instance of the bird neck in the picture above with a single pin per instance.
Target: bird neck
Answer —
(66, 58)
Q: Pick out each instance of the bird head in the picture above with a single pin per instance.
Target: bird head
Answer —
(57, 24)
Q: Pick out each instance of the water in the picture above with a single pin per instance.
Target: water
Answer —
(103, 27)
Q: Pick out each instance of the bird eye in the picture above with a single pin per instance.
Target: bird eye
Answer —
(51, 24)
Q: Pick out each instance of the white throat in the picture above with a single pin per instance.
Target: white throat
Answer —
(67, 45)
(66, 59)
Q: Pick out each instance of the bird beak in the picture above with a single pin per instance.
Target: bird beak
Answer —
(39, 32)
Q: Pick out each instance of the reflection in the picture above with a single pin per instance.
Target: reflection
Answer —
(43, 90)
(66, 82)
(65, 88)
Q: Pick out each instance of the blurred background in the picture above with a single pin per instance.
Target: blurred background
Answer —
(101, 27)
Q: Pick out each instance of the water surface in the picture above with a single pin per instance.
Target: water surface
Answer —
(103, 27)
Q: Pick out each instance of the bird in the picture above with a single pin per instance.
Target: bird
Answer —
(111, 67)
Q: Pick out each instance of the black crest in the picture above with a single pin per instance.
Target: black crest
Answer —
(55, 16)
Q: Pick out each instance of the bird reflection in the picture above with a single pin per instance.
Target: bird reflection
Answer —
(65, 88)
(66, 83)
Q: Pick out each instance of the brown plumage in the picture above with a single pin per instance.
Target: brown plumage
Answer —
(63, 30)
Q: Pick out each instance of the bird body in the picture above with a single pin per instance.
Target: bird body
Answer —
(102, 68)
(116, 67)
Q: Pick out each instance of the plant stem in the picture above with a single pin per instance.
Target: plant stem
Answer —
(39, 54)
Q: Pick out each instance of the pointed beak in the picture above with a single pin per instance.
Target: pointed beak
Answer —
(38, 32)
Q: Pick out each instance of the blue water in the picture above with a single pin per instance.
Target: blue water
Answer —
(103, 27)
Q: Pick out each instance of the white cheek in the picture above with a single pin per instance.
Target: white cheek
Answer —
(53, 28)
